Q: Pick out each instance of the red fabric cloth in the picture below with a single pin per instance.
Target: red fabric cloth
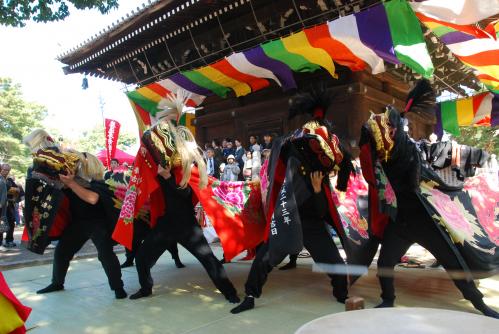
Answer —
(378, 220)
(22, 311)
(61, 220)
(333, 211)
(235, 211)
(143, 186)
(240, 226)
(112, 132)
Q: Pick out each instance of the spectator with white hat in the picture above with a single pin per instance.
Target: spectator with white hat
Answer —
(231, 170)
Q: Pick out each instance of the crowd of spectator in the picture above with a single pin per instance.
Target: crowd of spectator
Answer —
(231, 161)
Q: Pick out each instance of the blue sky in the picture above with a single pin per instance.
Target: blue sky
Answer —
(29, 54)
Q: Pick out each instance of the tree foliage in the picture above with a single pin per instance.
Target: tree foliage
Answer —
(17, 12)
(486, 138)
(17, 118)
(93, 140)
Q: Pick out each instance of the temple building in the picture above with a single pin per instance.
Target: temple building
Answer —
(172, 38)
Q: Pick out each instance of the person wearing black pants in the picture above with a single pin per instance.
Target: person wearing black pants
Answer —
(179, 224)
(140, 230)
(88, 221)
(316, 239)
(292, 262)
(414, 225)
(392, 249)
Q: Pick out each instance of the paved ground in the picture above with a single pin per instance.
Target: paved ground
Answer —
(185, 301)
(19, 257)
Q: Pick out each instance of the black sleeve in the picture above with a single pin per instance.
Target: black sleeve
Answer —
(320, 204)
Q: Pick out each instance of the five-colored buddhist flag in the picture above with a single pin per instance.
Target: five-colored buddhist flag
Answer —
(473, 46)
(408, 41)
(480, 110)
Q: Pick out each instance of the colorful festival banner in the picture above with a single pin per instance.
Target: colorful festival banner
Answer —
(476, 48)
(385, 32)
(481, 109)
(112, 129)
(144, 101)
(457, 11)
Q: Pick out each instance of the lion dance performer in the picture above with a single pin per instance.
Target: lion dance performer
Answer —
(299, 202)
(410, 203)
(68, 200)
(169, 155)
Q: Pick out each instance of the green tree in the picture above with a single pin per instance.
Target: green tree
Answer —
(486, 138)
(17, 12)
(94, 140)
(17, 118)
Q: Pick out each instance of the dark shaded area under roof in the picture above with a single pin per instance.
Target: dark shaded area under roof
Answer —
(164, 37)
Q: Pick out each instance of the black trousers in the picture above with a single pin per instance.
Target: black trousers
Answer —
(319, 243)
(416, 226)
(190, 235)
(73, 239)
(11, 223)
(131, 254)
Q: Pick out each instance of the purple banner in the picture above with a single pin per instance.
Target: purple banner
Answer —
(374, 32)
(187, 84)
(257, 57)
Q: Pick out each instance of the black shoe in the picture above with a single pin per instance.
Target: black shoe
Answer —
(490, 313)
(385, 303)
(179, 264)
(141, 293)
(247, 304)
(487, 311)
(51, 288)
(341, 295)
(290, 265)
(233, 299)
(120, 293)
(127, 264)
(341, 300)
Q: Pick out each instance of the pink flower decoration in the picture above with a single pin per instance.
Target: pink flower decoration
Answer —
(484, 199)
(450, 212)
(230, 193)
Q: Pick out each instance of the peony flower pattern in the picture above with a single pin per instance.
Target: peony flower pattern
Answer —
(127, 212)
(386, 195)
(460, 224)
(347, 206)
(485, 199)
(231, 195)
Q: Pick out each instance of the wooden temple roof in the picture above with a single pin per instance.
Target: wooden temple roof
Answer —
(161, 38)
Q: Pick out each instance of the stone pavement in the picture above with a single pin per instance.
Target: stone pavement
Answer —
(19, 256)
(185, 300)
